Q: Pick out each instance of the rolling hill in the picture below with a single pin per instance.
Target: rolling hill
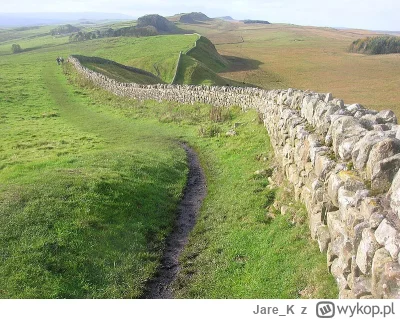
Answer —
(117, 71)
(193, 17)
(161, 24)
(205, 52)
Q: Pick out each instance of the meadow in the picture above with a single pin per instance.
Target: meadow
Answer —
(90, 182)
(239, 246)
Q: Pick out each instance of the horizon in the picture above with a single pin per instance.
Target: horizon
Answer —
(370, 15)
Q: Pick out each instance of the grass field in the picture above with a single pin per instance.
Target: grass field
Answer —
(308, 58)
(89, 184)
(86, 198)
(117, 71)
(157, 54)
(236, 250)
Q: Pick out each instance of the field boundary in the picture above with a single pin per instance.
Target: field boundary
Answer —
(177, 67)
(195, 44)
(180, 57)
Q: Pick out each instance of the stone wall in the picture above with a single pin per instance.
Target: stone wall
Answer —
(177, 67)
(343, 161)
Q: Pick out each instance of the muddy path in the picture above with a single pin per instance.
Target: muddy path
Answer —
(160, 286)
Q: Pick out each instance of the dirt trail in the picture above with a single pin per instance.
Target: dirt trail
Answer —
(160, 286)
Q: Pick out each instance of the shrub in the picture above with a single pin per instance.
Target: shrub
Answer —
(16, 48)
(376, 45)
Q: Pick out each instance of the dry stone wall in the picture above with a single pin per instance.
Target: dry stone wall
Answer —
(343, 161)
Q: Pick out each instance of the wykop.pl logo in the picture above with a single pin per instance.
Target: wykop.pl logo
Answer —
(325, 309)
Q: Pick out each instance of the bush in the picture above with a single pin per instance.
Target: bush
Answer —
(376, 45)
(16, 48)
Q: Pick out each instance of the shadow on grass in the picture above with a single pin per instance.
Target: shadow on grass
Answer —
(238, 64)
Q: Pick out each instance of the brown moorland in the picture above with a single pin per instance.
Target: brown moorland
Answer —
(307, 58)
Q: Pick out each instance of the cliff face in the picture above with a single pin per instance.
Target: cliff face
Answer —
(343, 162)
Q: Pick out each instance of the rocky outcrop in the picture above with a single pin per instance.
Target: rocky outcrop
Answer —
(343, 161)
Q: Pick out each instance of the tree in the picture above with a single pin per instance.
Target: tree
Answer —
(16, 48)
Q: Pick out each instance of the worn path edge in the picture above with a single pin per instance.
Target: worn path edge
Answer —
(195, 190)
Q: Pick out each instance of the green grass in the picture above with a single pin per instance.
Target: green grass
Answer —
(157, 55)
(206, 53)
(86, 197)
(118, 72)
(236, 250)
(90, 181)
(194, 72)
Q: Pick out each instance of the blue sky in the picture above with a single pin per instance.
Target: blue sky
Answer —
(367, 14)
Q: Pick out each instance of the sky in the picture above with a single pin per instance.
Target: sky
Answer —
(366, 14)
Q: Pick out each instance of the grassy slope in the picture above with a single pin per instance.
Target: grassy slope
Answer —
(236, 250)
(307, 58)
(86, 197)
(192, 71)
(206, 53)
(80, 167)
(157, 54)
(120, 74)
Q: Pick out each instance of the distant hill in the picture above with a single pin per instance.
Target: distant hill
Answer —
(376, 45)
(255, 21)
(161, 24)
(187, 19)
(148, 25)
(193, 17)
(226, 18)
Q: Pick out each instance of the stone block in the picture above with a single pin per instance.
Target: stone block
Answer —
(383, 173)
(380, 151)
(323, 166)
(386, 116)
(361, 286)
(378, 286)
(362, 148)
(323, 237)
(370, 205)
(366, 251)
(386, 235)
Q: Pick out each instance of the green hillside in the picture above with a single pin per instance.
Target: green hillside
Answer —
(161, 24)
(205, 52)
(192, 71)
(90, 181)
(193, 17)
(117, 71)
